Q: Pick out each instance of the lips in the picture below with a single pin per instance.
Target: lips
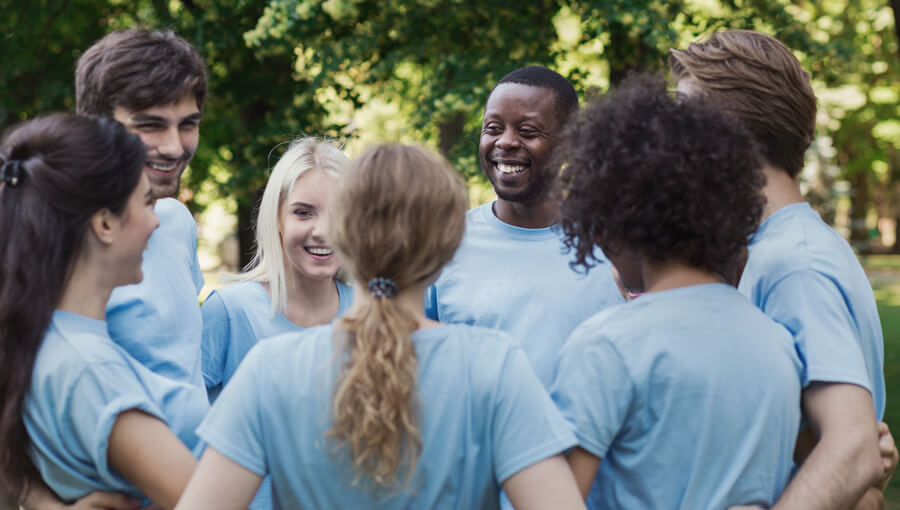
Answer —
(319, 252)
(164, 167)
(509, 167)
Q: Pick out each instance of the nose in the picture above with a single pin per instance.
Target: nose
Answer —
(507, 140)
(170, 143)
(318, 232)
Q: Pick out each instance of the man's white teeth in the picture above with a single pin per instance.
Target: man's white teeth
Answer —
(162, 167)
(320, 251)
(510, 169)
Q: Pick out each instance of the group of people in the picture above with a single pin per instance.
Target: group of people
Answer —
(648, 316)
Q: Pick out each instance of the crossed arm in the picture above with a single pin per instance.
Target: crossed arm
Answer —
(145, 452)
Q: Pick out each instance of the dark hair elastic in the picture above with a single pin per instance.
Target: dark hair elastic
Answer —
(11, 172)
(383, 287)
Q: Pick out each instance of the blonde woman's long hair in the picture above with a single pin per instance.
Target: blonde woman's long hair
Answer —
(398, 213)
(268, 264)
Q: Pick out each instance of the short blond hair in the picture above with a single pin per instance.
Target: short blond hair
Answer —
(755, 77)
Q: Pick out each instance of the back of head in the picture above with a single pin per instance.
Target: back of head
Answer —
(57, 171)
(268, 264)
(757, 78)
(138, 69)
(537, 76)
(670, 180)
(398, 216)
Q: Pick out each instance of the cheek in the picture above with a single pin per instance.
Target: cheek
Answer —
(190, 140)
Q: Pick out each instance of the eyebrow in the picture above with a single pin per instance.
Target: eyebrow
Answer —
(302, 204)
(146, 117)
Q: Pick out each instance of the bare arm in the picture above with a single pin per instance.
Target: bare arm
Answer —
(40, 497)
(547, 484)
(584, 466)
(144, 451)
(219, 482)
(846, 461)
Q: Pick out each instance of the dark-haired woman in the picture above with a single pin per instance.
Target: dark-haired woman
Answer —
(387, 409)
(688, 396)
(75, 216)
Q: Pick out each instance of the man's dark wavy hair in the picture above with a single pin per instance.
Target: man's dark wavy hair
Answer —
(138, 69)
(667, 179)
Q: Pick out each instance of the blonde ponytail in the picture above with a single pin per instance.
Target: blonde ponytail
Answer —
(396, 218)
(375, 405)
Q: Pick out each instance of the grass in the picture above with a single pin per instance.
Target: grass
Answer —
(884, 272)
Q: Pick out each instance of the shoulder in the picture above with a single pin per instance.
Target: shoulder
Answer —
(796, 239)
(175, 217)
(236, 294)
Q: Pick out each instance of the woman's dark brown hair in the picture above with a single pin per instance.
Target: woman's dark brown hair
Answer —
(66, 168)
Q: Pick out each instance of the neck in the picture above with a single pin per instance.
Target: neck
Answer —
(540, 214)
(673, 274)
(87, 290)
(310, 302)
(780, 190)
(410, 299)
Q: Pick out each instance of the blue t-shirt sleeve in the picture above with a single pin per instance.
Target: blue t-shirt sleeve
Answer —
(813, 308)
(526, 427)
(233, 425)
(216, 332)
(97, 398)
(593, 391)
(431, 310)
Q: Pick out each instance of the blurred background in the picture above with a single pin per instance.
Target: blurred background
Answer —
(362, 71)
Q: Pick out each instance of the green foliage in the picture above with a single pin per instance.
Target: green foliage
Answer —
(280, 68)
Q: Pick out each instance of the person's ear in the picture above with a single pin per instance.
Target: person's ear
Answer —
(104, 225)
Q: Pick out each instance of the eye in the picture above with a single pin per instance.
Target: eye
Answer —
(303, 213)
(188, 126)
(149, 126)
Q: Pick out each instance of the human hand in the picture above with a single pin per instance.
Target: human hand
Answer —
(889, 454)
(105, 501)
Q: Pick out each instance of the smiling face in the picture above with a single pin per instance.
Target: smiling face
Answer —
(302, 237)
(170, 133)
(518, 135)
(138, 221)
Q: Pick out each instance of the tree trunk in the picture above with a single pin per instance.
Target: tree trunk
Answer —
(246, 214)
(450, 129)
(859, 202)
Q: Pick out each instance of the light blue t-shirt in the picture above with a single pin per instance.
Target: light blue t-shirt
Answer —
(518, 280)
(234, 320)
(158, 320)
(485, 417)
(805, 276)
(690, 397)
(81, 382)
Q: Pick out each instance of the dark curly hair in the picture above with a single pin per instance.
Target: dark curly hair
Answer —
(664, 178)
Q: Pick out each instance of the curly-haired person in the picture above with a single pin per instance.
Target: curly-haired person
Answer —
(661, 387)
(802, 273)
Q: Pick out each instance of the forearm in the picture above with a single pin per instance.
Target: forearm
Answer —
(846, 461)
(40, 497)
(873, 499)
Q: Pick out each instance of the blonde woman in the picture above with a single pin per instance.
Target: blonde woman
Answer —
(292, 284)
(386, 408)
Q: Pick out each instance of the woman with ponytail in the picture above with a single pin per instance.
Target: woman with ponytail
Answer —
(291, 283)
(77, 411)
(387, 409)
